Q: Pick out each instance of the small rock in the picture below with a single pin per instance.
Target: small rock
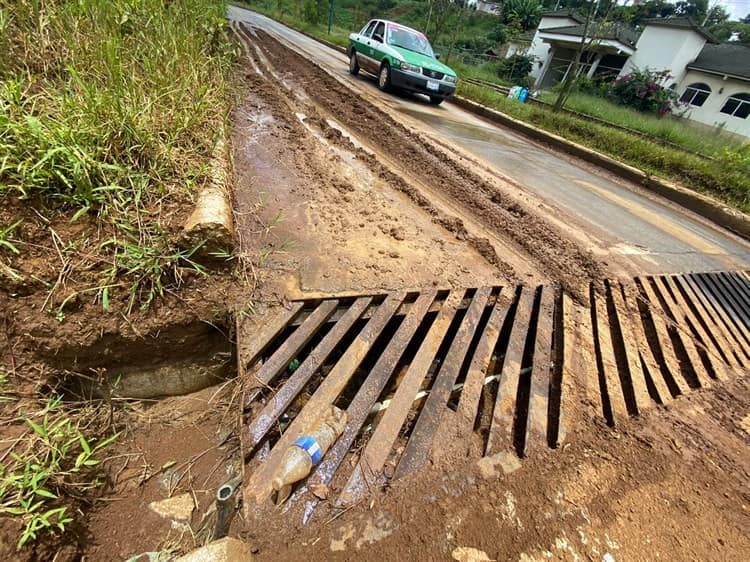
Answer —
(508, 462)
(320, 491)
(468, 554)
(178, 508)
(397, 232)
(223, 550)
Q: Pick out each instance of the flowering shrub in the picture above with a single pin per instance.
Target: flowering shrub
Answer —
(642, 90)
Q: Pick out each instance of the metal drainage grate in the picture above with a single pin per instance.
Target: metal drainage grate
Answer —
(480, 370)
(656, 338)
(415, 369)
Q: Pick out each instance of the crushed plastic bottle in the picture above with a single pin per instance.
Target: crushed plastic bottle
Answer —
(307, 451)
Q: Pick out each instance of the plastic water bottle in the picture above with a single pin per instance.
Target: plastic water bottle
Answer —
(307, 451)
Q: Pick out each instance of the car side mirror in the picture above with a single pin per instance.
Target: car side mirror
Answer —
(377, 37)
(437, 56)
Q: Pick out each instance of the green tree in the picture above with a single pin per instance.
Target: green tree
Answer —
(716, 14)
(526, 12)
(314, 11)
(723, 31)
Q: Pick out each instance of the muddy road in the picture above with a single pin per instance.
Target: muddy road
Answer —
(341, 191)
(627, 229)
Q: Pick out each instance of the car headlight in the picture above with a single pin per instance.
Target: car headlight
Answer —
(411, 67)
(451, 79)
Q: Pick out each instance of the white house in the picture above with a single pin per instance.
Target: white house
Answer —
(713, 80)
(716, 87)
(488, 7)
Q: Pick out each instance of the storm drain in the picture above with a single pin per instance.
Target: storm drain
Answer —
(414, 371)
(422, 374)
(656, 338)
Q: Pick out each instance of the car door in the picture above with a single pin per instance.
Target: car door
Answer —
(377, 44)
(363, 46)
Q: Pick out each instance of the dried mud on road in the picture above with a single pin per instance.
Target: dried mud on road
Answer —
(343, 148)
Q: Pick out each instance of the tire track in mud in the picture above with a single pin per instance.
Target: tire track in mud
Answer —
(547, 248)
(280, 101)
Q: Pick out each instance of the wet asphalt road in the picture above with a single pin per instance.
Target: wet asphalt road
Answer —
(653, 235)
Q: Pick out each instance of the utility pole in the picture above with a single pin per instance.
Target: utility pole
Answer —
(330, 15)
(429, 16)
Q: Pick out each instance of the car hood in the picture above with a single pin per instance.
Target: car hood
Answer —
(423, 60)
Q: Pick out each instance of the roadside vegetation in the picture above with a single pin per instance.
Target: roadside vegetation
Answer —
(110, 118)
(51, 468)
(726, 175)
(109, 115)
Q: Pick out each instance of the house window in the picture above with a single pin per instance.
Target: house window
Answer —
(737, 105)
(696, 94)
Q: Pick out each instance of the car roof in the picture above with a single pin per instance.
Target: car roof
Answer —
(396, 23)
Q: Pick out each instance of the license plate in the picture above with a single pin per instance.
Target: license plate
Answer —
(433, 85)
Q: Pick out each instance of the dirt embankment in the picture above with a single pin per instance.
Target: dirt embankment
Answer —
(427, 165)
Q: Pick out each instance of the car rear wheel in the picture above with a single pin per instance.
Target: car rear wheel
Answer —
(353, 64)
(436, 100)
(384, 78)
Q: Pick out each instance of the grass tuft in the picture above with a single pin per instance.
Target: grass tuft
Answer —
(114, 110)
(50, 464)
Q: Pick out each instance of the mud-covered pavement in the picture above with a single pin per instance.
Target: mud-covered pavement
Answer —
(622, 224)
(342, 147)
(338, 196)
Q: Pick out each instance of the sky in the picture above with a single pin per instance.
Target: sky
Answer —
(737, 8)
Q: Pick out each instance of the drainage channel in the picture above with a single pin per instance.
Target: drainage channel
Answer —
(477, 371)
(411, 370)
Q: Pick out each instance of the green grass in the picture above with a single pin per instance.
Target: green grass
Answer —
(486, 71)
(113, 109)
(689, 135)
(727, 177)
(50, 464)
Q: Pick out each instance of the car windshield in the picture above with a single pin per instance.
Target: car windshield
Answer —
(408, 39)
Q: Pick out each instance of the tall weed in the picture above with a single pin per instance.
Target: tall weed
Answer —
(113, 108)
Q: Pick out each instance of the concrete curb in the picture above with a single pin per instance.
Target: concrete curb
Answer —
(211, 223)
(703, 205)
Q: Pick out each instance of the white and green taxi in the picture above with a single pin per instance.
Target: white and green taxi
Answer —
(400, 57)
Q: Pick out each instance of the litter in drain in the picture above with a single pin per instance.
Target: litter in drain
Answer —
(478, 371)
(413, 368)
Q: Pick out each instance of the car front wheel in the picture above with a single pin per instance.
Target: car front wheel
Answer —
(353, 64)
(384, 78)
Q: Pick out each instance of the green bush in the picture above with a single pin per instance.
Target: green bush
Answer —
(515, 69)
(642, 90)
